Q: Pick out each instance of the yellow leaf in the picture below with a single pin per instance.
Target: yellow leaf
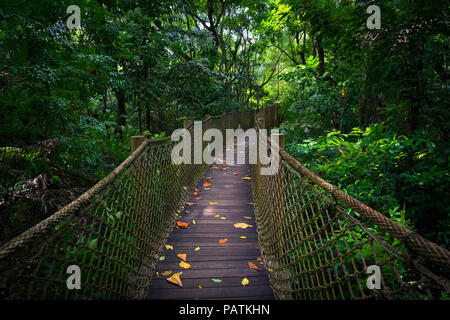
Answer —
(185, 265)
(245, 282)
(246, 178)
(175, 278)
(242, 225)
(213, 202)
(182, 256)
(196, 249)
(243, 237)
(199, 286)
(169, 247)
(216, 216)
(166, 273)
(193, 221)
(247, 217)
(223, 218)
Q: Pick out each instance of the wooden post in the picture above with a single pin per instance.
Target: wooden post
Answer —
(261, 123)
(136, 141)
(281, 140)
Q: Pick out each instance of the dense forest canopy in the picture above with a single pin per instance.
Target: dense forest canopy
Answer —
(367, 109)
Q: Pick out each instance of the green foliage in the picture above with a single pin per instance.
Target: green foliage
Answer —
(404, 177)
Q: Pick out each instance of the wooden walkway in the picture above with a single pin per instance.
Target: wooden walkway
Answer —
(224, 203)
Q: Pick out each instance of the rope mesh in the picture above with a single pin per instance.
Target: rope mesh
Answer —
(316, 241)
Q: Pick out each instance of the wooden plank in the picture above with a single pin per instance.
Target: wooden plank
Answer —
(160, 282)
(210, 265)
(219, 292)
(227, 261)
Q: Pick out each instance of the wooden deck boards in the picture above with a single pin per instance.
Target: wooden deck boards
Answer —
(227, 261)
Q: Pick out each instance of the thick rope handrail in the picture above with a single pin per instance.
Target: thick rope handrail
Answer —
(413, 240)
(27, 236)
(424, 247)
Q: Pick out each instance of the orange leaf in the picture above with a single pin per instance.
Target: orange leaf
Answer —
(190, 203)
(251, 265)
(235, 173)
(246, 178)
(207, 184)
(182, 224)
(223, 240)
(182, 256)
(237, 182)
(175, 278)
(247, 217)
(195, 193)
(198, 198)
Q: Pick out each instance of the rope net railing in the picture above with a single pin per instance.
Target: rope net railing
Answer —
(316, 241)
(114, 232)
(320, 243)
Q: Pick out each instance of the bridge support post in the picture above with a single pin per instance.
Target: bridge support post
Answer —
(281, 140)
(136, 141)
(261, 123)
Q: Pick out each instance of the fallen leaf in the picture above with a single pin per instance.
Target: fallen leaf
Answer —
(235, 173)
(246, 178)
(199, 286)
(166, 273)
(185, 265)
(270, 269)
(193, 221)
(242, 225)
(195, 193)
(199, 198)
(245, 282)
(259, 259)
(190, 203)
(223, 240)
(216, 216)
(196, 189)
(243, 237)
(213, 202)
(207, 184)
(162, 258)
(237, 182)
(182, 224)
(223, 218)
(169, 247)
(247, 217)
(175, 278)
(251, 265)
(182, 256)
(223, 169)
(216, 280)
(196, 249)
(207, 188)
